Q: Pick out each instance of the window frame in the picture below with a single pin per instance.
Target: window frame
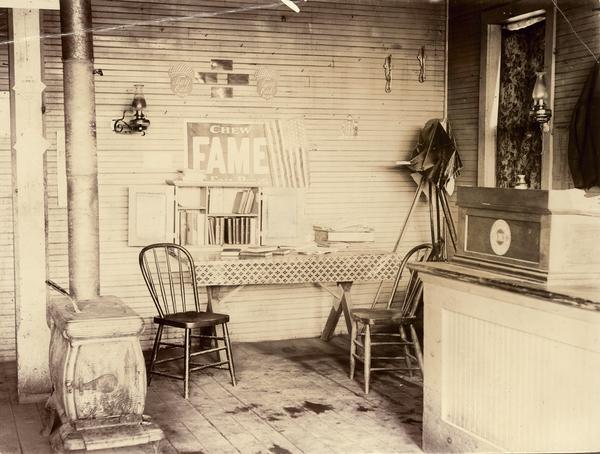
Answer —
(489, 85)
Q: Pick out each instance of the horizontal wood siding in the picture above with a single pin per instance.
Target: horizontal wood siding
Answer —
(7, 269)
(573, 65)
(330, 63)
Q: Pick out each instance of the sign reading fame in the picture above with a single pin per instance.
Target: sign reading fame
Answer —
(228, 151)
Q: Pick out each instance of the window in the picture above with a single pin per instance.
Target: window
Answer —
(517, 41)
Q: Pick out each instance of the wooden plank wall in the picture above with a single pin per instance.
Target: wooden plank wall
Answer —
(7, 286)
(330, 63)
(329, 59)
(573, 64)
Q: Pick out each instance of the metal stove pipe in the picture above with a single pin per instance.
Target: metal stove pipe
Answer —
(81, 157)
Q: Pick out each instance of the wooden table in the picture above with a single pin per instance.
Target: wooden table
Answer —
(343, 268)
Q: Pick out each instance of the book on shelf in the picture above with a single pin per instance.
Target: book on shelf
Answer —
(216, 201)
(252, 230)
(229, 231)
(249, 202)
(182, 227)
(191, 227)
(237, 202)
(221, 231)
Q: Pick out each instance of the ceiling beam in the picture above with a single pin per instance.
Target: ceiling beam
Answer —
(29, 4)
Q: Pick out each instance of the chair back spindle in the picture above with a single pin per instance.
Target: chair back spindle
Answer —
(414, 288)
(170, 275)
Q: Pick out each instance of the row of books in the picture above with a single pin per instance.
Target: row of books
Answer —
(232, 200)
(231, 230)
(244, 201)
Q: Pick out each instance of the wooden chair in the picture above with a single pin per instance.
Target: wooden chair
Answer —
(170, 275)
(366, 324)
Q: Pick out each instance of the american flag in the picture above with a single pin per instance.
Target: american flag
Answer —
(287, 149)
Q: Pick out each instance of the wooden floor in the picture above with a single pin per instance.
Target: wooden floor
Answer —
(293, 396)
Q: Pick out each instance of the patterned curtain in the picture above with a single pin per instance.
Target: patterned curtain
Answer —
(519, 139)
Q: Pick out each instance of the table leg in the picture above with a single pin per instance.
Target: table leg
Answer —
(214, 305)
(341, 304)
(213, 298)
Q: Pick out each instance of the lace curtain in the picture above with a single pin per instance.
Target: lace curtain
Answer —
(519, 139)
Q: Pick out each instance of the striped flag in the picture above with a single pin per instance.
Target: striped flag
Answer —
(287, 151)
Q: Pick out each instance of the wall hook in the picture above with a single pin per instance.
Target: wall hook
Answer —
(422, 58)
(387, 68)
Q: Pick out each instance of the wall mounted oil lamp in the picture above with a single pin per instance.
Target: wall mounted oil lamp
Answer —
(138, 122)
(540, 111)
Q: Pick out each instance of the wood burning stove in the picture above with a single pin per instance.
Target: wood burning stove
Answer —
(98, 376)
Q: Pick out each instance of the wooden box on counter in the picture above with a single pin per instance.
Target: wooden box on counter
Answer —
(544, 236)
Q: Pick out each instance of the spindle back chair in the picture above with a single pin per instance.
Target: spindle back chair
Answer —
(365, 323)
(170, 275)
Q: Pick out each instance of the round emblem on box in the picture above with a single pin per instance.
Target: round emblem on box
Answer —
(500, 237)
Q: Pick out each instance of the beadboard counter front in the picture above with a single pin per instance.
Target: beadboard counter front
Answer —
(510, 366)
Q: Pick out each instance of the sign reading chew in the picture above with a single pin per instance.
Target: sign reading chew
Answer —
(228, 151)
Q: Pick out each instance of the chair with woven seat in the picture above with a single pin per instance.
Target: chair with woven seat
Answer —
(394, 326)
(170, 276)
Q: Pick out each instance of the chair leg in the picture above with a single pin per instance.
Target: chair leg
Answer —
(419, 353)
(229, 353)
(367, 361)
(186, 376)
(155, 349)
(407, 359)
(353, 335)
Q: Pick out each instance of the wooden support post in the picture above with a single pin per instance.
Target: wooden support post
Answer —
(28, 147)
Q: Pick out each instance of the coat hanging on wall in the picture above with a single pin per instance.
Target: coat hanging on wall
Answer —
(584, 134)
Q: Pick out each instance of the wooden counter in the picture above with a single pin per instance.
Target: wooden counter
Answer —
(510, 366)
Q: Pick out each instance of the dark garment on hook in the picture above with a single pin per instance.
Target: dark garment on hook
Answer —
(584, 134)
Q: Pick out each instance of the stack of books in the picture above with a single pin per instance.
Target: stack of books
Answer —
(263, 251)
(230, 253)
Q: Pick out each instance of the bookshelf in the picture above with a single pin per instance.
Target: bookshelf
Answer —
(204, 214)
(216, 214)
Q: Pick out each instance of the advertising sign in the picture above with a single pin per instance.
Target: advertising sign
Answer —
(228, 151)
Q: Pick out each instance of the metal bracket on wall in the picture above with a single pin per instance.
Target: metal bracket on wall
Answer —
(422, 59)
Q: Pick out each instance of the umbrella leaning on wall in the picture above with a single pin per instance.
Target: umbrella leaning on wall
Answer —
(435, 163)
(435, 159)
